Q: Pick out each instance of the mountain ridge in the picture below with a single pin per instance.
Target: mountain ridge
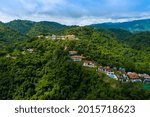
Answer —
(132, 26)
(32, 28)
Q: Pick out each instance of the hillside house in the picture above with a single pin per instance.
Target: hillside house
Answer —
(112, 75)
(30, 50)
(122, 69)
(65, 47)
(146, 81)
(48, 37)
(122, 76)
(70, 36)
(58, 37)
(90, 64)
(133, 75)
(40, 36)
(105, 69)
(77, 58)
(145, 76)
(63, 37)
(54, 37)
(73, 53)
(100, 69)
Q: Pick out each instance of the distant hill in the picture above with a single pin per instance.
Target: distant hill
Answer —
(139, 40)
(9, 37)
(22, 26)
(45, 27)
(35, 28)
(133, 26)
(119, 34)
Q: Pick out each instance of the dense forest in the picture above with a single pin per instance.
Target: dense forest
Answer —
(40, 68)
(107, 50)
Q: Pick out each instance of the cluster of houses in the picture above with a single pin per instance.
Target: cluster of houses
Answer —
(114, 73)
(30, 50)
(60, 37)
(78, 58)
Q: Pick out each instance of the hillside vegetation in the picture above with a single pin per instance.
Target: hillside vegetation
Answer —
(35, 28)
(133, 26)
(41, 68)
(22, 26)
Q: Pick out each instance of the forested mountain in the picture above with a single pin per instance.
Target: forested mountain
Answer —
(119, 34)
(139, 40)
(41, 68)
(49, 73)
(45, 28)
(133, 26)
(106, 50)
(22, 26)
(35, 28)
(9, 37)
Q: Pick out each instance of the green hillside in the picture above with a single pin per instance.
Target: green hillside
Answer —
(45, 28)
(139, 40)
(22, 26)
(119, 34)
(133, 26)
(35, 28)
(9, 38)
(41, 68)
(49, 73)
(107, 50)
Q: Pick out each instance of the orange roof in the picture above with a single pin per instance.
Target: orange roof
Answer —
(133, 75)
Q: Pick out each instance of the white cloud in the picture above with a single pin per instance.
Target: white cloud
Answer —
(6, 18)
(71, 12)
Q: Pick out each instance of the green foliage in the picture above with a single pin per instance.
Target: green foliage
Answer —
(44, 28)
(133, 26)
(22, 26)
(33, 29)
(9, 38)
(106, 50)
(139, 41)
(49, 73)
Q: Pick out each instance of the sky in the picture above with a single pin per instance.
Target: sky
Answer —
(74, 12)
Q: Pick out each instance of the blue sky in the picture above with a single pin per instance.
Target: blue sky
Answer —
(74, 12)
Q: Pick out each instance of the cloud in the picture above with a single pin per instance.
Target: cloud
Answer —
(74, 11)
